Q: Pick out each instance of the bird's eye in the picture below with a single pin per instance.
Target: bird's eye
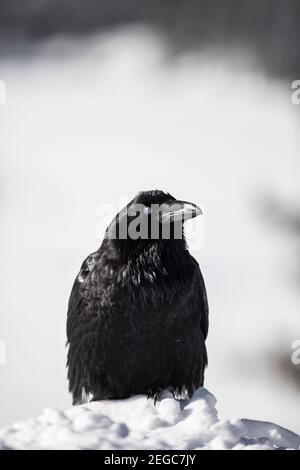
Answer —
(147, 210)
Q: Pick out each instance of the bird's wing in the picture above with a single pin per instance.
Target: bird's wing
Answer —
(81, 329)
(203, 303)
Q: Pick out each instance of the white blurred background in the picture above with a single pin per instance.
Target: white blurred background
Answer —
(91, 118)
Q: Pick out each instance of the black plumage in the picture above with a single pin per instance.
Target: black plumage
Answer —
(138, 316)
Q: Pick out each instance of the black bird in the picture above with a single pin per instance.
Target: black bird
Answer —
(138, 312)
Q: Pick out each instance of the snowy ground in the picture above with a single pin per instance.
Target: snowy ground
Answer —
(90, 120)
(137, 424)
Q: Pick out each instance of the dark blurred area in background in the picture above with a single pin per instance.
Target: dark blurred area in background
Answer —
(268, 28)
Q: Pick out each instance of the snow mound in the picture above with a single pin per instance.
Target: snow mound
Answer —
(136, 423)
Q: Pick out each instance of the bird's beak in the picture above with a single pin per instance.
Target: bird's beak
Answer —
(173, 211)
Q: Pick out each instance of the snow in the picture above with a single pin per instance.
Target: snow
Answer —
(136, 423)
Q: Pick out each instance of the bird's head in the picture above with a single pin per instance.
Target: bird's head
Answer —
(152, 217)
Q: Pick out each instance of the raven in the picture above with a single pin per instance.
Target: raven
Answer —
(138, 313)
